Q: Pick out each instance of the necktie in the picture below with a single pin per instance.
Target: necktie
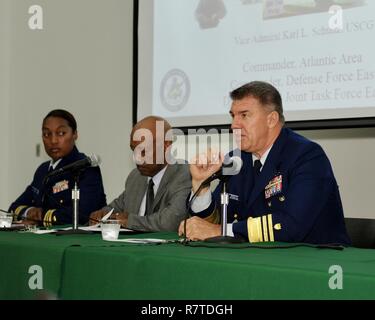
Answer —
(257, 167)
(149, 197)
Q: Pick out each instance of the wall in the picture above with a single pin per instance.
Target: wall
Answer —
(82, 61)
(4, 101)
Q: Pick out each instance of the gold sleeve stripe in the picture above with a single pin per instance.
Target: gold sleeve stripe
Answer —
(265, 231)
(270, 227)
(47, 221)
(248, 228)
(19, 209)
(254, 229)
(46, 217)
(52, 217)
(259, 226)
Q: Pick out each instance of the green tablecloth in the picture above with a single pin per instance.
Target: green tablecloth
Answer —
(86, 267)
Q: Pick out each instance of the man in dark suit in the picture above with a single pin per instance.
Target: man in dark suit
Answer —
(286, 189)
(155, 192)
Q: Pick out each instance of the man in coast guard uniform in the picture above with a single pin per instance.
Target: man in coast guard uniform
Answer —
(49, 201)
(286, 190)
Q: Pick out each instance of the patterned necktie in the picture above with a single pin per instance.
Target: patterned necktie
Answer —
(149, 197)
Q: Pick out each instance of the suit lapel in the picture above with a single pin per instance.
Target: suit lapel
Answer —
(270, 168)
(244, 182)
(70, 158)
(169, 172)
(267, 173)
(139, 191)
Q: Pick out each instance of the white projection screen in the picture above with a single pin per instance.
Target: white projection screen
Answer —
(191, 53)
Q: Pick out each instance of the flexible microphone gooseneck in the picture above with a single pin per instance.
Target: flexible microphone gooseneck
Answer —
(89, 161)
(232, 167)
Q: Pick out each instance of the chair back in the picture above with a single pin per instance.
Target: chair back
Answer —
(361, 232)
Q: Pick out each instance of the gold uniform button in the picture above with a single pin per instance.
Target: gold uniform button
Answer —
(277, 226)
(282, 198)
(61, 201)
(269, 204)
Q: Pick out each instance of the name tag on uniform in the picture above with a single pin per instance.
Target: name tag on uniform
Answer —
(233, 196)
(273, 187)
(35, 190)
(60, 186)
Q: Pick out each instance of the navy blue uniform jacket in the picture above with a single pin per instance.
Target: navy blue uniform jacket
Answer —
(294, 199)
(55, 197)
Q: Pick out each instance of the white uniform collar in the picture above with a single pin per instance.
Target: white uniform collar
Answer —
(263, 158)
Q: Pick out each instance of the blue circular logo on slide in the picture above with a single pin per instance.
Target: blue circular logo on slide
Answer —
(175, 90)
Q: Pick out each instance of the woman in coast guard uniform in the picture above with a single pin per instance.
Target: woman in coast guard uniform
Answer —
(49, 201)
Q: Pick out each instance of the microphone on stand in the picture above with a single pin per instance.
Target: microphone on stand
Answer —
(231, 168)
(90, 161)
(75, 168)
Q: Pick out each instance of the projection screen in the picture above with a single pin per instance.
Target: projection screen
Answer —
(192, 53)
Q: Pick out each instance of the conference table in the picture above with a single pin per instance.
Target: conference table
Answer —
(84, 266)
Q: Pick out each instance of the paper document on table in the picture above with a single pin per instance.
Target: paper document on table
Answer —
(107, 215)
(142, 241)
(94, 228)
(43, 231)
(46, 231)
(103, 219)
(97, 228)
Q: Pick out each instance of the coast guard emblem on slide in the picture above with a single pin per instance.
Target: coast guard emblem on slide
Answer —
(273, 187)
(175, 90)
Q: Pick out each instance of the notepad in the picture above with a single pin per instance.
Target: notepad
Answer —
(141, 241)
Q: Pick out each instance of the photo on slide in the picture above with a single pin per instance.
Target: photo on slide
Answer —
(285, 8)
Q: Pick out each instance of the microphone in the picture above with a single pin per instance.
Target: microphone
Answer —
(230, 167)
(90, 161)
